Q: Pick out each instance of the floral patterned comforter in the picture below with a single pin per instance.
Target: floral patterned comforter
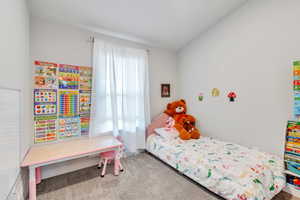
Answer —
(229, 170)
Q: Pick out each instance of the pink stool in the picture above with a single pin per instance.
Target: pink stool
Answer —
(109, 156)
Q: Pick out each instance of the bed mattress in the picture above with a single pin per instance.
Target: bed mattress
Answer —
(232, 171)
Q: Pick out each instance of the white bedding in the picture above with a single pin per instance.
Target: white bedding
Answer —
(229, 170)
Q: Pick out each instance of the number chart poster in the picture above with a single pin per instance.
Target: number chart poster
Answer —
(68, 103)
(45, 75)
(68, 77)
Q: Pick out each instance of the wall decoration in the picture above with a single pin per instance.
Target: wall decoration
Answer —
(215, 92)
(68, 103)
(45, 108)
(45, 75)
(296, 86)
(85, 78)
(231, 96)
(165, 90)
(84, 102)
(62, 100)
(84, 124)
(45, 129)
(45, 96)
(69, 127)
(200, 96)
(68, 77)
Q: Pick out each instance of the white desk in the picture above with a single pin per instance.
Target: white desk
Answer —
(47, 154)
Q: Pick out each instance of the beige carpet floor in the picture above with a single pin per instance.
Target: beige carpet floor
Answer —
(144, 178)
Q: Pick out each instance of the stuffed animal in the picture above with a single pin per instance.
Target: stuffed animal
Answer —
(185, 124)
(175, 108)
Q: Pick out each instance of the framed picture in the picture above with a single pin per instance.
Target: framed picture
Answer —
(165, 90)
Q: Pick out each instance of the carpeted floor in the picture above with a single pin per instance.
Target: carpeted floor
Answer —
(144, 178)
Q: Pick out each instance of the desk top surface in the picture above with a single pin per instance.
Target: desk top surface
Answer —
(40, 154)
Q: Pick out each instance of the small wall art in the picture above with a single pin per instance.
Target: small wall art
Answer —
(165, 90)
(231, 96)
(200, 96)
(215, 92)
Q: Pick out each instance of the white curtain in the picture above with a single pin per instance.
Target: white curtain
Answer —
(120, 95)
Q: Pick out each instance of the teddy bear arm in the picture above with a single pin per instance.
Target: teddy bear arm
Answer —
(183, 134)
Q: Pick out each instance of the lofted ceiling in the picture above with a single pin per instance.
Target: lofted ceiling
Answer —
(165, 23)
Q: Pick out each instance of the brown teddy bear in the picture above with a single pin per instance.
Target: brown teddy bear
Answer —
(175, 108)
(185, 124)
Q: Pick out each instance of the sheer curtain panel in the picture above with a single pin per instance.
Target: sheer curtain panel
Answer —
(120, 95)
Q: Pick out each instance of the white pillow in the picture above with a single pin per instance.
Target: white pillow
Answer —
(167, 133)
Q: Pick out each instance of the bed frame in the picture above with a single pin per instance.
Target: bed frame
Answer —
(185, 176)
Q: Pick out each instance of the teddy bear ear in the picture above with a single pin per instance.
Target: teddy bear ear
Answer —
(182, 100)
(169, 106)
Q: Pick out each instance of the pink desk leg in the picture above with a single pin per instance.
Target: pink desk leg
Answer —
(32, 183)
(117, 162)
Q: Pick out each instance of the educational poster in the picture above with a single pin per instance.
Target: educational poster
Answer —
(84, 102)
(45, 108)
(69, 127)
(45, 96)
(296, 87)
(84, 124)
(45, 75)
(68, 77)
(68, 103)
(45, 129)
(85, 78)
(61, 101)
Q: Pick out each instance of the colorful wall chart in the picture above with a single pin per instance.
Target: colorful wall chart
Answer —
(85, 78)
(84, 102)
(68, 103)
(62, 100)
(42, 96)
(45, 75)
(68, 77)
(45, 129)
(296, 89)
(84, 124)
(69, 127)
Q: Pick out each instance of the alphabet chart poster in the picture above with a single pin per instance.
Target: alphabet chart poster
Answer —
(68, 103)
(45, 129)
(84, 124)
(45, 75)
(69, 127)
(68, 77)
(85, 78)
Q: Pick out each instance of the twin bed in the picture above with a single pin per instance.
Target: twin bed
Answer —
(231, 171)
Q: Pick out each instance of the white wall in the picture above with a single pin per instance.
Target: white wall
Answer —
(14, 60)
(55, 42)
(250, 52)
